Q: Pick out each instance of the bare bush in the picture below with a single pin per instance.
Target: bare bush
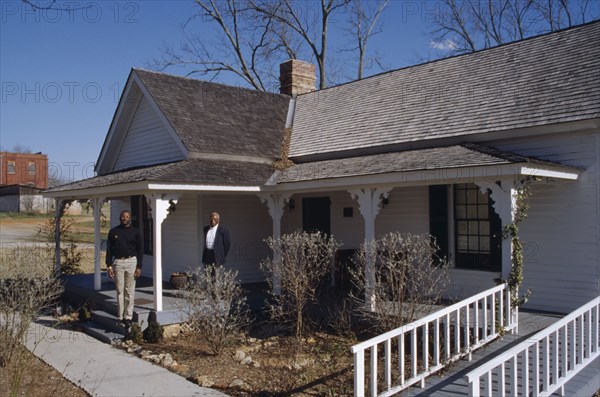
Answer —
(20, 259)
(300, 261)
(22, 299)
(216, 306)
(72, 256)
(403, 283)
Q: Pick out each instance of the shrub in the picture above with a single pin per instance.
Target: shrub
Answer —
(406, 280)
(21, 300)
(216, 306)
(154, 332)
(300, 261)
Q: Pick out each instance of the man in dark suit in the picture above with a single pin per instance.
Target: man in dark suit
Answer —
(216, 242)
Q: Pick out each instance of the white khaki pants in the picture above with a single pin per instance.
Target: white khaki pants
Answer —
(125, 283)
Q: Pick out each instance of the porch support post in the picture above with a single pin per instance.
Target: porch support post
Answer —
(369, 200)
(59, 210)
(97, 206)
(160, 204)
(275, 203)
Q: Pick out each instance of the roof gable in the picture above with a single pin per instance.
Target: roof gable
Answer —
(205, 120)
(539, 81)
(219, 119)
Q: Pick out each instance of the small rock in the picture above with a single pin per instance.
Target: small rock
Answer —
(255, 364)
(172, 330)
(166, 359)
(239, 355)
(237, 383)
(246, 360)
(204, 381)
(179, 368)
(145, 353)
(154, 358)
(134, 349)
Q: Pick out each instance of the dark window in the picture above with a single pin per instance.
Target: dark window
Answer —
(31, 168)
(438, 218)
(478, 229)
(316, 214)
(11, 167)
(141, 218)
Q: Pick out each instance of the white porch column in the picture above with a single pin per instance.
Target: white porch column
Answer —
(97, 206)
(368, 201)
(505, 205)
(275, 203)
(160, 204)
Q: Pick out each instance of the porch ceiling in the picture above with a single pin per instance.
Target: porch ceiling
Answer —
(455, 163)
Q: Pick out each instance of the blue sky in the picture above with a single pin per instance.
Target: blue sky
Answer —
(62, 73)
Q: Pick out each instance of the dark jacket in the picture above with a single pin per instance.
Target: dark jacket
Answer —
(221, 246)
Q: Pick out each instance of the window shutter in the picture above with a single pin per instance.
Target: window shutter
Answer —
(438, 217)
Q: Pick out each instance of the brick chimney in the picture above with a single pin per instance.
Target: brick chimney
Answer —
(297, 77)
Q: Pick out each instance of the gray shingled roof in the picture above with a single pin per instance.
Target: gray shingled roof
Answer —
(465, 155)
(544, 80)
(216, 118)
(195, 172)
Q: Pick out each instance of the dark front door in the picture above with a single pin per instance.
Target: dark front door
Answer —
(316, 214)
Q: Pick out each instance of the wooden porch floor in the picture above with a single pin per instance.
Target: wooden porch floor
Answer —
(80, 289)
(452, 382)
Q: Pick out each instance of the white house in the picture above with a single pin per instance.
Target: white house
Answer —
(434, 148)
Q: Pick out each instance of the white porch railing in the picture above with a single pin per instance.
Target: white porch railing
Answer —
(546, 361)
(457, 330)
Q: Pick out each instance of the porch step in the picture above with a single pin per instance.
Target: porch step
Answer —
(109, 321)
(100, 332)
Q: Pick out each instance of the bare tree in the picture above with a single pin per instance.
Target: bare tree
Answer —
(255, 36)
(245, 43)
(18, 148)
(470, 25)
(364, 18)
(312, 27)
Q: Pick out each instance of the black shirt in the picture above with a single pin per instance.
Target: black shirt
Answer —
(124, 242)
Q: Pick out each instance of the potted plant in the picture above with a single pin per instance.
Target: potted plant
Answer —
(179, 279)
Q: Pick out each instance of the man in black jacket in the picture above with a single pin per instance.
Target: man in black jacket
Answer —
(124, 256)
(216, 242)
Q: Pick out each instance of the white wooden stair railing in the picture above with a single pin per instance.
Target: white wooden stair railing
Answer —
(546, 361)
(457, 330)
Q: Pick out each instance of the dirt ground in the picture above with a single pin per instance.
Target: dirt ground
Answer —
(39, 380)
(321, 365)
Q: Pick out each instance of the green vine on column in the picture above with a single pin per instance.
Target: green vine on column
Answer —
(515, 277)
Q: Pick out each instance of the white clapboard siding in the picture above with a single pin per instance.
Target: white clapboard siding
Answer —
(147, 141)
(180, 237)
(118, 204)
(249, 224)
(406, 212)
(561, 233)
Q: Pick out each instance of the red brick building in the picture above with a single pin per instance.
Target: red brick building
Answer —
(24, 169)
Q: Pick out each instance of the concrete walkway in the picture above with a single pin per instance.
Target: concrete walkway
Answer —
(102, 370)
